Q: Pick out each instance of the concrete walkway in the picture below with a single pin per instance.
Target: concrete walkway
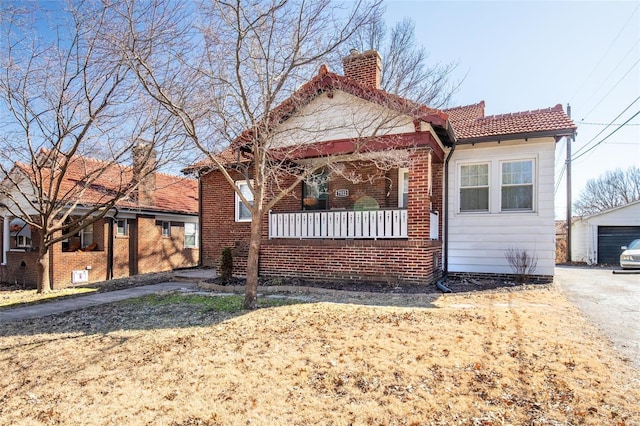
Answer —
(79, 302)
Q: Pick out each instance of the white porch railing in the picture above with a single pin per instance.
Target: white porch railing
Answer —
(342, 224)
(338, 224)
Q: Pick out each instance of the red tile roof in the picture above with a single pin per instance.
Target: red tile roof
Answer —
(174, 194)
(226, 157)
(469, 122)
(325, 82)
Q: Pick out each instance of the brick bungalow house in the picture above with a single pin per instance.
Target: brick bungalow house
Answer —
(153, 230)
(467, 187)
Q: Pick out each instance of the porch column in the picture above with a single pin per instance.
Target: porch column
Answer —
(5, 238)
(419, 208)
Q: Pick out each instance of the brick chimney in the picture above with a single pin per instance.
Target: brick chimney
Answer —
(365, 68)
(144, 172)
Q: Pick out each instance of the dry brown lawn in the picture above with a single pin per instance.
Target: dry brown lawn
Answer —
(520, 358)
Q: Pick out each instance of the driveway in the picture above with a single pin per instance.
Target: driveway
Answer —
(610, 301)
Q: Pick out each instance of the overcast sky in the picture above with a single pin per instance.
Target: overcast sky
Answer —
(519, 56)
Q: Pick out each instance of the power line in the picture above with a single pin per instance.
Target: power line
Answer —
(632, 49)
(606, 137)
(610, 124)
(611, 90)
(582, 123)
(623, 143)
(606, 51)
(564, 167)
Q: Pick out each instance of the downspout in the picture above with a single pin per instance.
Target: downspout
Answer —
(110, 246)
(445, 227)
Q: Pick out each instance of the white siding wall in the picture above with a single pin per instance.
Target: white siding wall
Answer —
(584, 232)
(343, 117)
(581, 248)
(478, 241)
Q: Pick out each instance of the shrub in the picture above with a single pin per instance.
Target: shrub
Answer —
(226, 264)
(523, 264)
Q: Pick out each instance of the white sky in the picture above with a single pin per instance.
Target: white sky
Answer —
(520, 56)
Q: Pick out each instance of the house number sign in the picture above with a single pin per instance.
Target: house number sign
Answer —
(342, 192)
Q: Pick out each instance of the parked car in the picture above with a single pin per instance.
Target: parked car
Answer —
(630, 257)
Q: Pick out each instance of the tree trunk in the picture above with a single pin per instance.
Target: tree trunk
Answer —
(251, 289)
(44, 286)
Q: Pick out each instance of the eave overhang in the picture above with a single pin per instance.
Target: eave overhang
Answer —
(556, 134)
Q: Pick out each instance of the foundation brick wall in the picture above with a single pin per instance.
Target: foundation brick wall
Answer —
(21, 268)
(351, 260)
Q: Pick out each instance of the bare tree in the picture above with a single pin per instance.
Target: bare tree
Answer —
(223, 68)
(612, 189)
(406, 70)
(64, 97)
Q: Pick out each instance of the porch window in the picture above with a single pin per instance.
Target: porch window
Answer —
(474, 188)
(190, 235)
(23, 241)
(242, 212)
(517, 186)
(166, 228)
(403, 188)
(315, 192)
(122, 228)
(86, 236)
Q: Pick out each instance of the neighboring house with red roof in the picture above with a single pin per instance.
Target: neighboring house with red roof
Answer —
(153, 229)
(464, 189)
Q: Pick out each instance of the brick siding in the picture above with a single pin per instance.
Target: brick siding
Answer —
(414, 260)
(155, 254)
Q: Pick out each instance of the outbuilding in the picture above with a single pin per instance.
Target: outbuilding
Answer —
(596, 239)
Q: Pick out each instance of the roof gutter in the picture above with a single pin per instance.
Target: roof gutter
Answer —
(518, 136)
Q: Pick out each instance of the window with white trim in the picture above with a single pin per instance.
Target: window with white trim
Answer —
(403, 188)
(86, 236)
(474, 187)
(517, 185)
(166, 228)
(242, 212)
(23, 241)
(122, 228)
(190, 235)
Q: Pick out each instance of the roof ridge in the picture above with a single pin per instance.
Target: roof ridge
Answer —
(478, 104)
(555, 108)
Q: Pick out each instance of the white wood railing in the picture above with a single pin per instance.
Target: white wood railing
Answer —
(342, 224)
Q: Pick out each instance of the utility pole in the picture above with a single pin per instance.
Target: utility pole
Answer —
(568, 164)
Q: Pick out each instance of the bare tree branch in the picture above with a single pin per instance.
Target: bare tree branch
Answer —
(612, 189)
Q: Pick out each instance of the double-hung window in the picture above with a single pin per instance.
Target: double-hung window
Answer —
(315, 192)
(166, 228)
(403, 188)
(474, 188)
(190, 235)
(122, 228)
(517, 185)
(86, 236)
(243, 214)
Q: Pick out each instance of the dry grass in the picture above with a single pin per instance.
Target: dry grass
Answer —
(11, 297)
(525, 357)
